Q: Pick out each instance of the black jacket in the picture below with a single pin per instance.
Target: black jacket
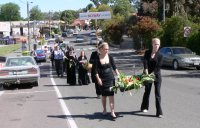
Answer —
(153, 64)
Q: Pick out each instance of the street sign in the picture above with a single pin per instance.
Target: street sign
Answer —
(187, 31)
(95, 15)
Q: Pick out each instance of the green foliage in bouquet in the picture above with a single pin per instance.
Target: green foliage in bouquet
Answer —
(129, 82)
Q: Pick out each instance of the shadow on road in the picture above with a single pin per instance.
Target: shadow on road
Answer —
(100, 117)
(77, 98)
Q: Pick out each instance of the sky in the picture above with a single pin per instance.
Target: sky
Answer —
(48, 5)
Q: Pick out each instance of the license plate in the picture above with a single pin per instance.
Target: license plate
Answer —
(22, 73)
(196, 63)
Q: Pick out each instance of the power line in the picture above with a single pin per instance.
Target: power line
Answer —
(22, 1)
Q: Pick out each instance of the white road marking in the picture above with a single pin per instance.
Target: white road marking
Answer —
(14, 93)
(1, 93)
(69, 118)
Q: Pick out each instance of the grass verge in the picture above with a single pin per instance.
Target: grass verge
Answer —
(9, 49)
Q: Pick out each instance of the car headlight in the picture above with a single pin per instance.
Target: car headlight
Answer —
(186, 60)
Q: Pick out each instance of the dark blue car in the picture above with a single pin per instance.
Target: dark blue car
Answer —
(40, 55)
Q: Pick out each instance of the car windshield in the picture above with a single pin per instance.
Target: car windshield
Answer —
(94, 38)
(24, 61)
(181, 51)
(39, 51)
(79, 36)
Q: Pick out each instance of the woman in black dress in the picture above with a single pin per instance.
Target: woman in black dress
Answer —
(104, 67)
(83, 77)
(71, 61)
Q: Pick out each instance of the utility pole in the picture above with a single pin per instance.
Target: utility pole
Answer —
(28, 18)
(164, 11)
(50, 23)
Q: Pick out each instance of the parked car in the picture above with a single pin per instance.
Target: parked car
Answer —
(94, 40)
(19, 70)
(75, 32)
(93, 33)
(51, 42)
(40, 55)
(64, 34)
(178, 57)
(80, 38)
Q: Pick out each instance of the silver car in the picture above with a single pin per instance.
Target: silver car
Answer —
(19, 70)
(178, 57)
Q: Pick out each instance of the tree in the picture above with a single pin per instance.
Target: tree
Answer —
(68, 16)
(114, 29)
(10, 12)
(56, 15)
(97, 3)
(36, 14)
(87, 8)
(104, 7)
(122, 7)
(144, 30)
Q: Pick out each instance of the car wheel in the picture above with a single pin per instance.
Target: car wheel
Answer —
(5, 86)
(175, 65)
(36, 83)
(198, 68)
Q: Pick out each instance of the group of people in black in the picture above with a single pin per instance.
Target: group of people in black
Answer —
(66, 62)
(102, 73)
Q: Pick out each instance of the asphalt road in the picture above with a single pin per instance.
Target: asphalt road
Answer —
(54, 104)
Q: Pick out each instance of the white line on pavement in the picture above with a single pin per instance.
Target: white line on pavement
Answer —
(29, 92)
(1, 93)
(69, 118)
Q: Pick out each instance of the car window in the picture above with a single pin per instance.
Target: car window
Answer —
(188, 51)
(39, 51)
(79, 36)
(168, 51)
(162, 50)
(94, 38)
(12, 62)
(182, 51)
(26, 61)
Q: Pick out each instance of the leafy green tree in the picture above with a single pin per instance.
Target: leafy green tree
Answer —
(174, 31)
(114, 29)
(122, 7)
(68, 16)
(194, 43)
(97, 3)
(56, 15)
(36, 14)
(104, 7)
(88, 7)
(10, 12)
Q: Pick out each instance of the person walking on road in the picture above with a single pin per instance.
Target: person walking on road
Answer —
(93, 57)
(152, 64)
(58, 58)
(104, 67)
(83, 77)
(71, 63)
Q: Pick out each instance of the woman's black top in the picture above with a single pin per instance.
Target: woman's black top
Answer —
(105, 71)
(153, 64)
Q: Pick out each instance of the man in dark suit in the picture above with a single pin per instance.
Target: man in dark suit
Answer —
(93, 57)
(152, 64)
